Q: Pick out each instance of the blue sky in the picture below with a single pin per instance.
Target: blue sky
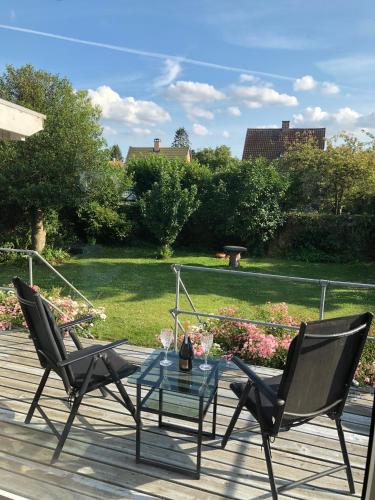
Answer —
(214, 67)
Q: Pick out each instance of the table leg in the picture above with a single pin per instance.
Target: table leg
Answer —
(199, 439)
(214, 417)
(160, 407)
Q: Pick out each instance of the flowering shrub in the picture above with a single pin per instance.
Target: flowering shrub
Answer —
(267, 346)
(11, 316)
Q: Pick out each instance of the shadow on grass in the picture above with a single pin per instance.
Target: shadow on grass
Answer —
(130, 275)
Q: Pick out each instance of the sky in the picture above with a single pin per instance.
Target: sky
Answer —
(215, 67)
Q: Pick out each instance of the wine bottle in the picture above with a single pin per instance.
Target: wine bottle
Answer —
(186, 354)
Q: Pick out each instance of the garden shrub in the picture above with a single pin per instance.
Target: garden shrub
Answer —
(268, 345)
(11, 316)
(315, 237)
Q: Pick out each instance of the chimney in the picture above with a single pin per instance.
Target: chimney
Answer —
(156, 145)
(284, 125)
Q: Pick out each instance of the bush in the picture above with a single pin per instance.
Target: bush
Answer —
(167, 206)
(11, 316)
(316, 237)
(240, 204)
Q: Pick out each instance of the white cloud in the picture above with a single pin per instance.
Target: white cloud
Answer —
(311, 114)
(304, 83)
(189, 92)
(141, 131)
(226, 134)
(307, 83)
(257, 96)
(245, 77)
(199, 129)
(194, 112)
(330, 88)
(234, 111)
(171, 71)
(127, 109)
(346, 116)
(109, 130)
(342, 119)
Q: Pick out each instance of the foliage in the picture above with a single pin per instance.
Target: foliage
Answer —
(44, 172)
(365, 373)
(315, 237)
(101, 213)
(214, 158)
(181, 139)
(331, 180)
(11, 316)
(241, 205)
(265, 346)
(115, 153)
(167, 206)
(55, 256)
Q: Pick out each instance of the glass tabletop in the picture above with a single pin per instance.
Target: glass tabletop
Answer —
(195, 383)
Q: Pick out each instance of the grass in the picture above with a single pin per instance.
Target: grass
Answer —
(138, 290)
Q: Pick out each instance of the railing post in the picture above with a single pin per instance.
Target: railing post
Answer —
(30, 259)
(323, 285)
(177, 306)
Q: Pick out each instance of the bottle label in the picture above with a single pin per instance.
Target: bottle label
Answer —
(184, 364)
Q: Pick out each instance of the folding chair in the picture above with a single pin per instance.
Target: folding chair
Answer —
(320, 366)
(81, 371)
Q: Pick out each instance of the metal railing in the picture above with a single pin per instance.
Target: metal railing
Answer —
(176, 311)
(31, 255)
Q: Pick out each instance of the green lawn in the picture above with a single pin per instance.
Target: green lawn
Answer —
(138, 290)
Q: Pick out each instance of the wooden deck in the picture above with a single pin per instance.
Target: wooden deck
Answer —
(98, 457)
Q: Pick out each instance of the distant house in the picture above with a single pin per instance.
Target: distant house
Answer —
(170, 153)
(271, 143)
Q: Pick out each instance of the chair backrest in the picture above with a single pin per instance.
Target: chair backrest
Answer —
(320, 367)
(43, 329)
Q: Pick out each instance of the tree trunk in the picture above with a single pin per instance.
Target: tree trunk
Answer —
(38, 233)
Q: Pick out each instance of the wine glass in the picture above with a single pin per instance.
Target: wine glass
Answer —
(166, 336)
(206, 341)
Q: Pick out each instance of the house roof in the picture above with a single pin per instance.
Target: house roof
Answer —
(18, 122)
(170, 153)
(272, 142)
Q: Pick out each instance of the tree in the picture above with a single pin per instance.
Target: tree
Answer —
(242, 204)
(45, 172)
(167, 206)
(115, 153)
(330, 180)
(214, 158)
(181, 139)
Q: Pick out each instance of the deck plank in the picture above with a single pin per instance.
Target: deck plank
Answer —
(98, 460)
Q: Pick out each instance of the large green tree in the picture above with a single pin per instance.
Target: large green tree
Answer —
(214, 158)
(48, 170)
(331, 180)
(181, 139)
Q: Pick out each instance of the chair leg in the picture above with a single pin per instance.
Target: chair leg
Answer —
(231, 425)
(38, 393)
(267, 452)
(127, 400)
(345, 456)
(66, 430)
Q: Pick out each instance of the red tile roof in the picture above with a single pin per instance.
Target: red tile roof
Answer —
(272, 142)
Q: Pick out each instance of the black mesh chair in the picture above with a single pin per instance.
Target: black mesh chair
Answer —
(81, 371)
(320, 366)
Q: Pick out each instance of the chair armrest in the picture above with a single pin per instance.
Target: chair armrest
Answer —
(258, 382)
(69, 324)
(105, 348)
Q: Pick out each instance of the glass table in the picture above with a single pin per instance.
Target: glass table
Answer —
(179, 395)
